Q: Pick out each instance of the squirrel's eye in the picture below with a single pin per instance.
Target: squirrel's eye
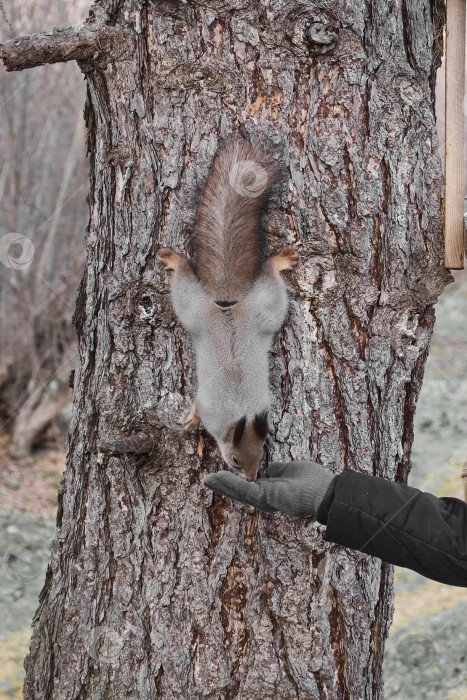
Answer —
(235, 460)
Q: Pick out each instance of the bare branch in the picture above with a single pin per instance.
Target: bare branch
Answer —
(82, 42)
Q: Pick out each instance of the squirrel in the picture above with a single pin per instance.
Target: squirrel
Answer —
(232, 301)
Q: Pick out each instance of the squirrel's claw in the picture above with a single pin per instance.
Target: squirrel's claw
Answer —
(286, 259)
(190, 425)
(193, 420)
(291, 256)
(174, 262)
(168, 258)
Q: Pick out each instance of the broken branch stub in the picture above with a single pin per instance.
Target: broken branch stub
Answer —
(84, 42)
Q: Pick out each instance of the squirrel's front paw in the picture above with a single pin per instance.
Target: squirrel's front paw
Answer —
(286, 259)
(191, 424)
(193, 420)
(169, 258)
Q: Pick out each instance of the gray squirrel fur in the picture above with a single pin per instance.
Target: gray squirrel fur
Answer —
(232, 302)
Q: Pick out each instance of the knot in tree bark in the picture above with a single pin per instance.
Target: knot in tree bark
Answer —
(319, 33)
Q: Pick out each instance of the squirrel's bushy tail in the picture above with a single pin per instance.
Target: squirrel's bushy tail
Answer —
(228, 242)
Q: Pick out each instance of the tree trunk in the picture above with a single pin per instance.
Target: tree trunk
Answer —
(157, 588)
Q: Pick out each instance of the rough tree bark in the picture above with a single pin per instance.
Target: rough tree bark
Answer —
(157, 589)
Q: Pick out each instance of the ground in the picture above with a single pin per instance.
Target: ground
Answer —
(30, 485)
(426, 654)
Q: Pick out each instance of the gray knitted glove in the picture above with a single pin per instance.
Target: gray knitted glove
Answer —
(296, 488)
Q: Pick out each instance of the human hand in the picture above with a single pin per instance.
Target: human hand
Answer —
(295, 488)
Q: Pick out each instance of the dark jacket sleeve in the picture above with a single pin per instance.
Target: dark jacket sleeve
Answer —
(399, 524)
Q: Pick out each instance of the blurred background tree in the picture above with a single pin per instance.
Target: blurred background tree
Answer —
(43, 182)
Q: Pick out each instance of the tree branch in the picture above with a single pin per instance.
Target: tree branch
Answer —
(83, 42)
(140, 443)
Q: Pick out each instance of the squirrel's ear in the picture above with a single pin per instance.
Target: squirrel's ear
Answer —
(238, 432)
(260, 425)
